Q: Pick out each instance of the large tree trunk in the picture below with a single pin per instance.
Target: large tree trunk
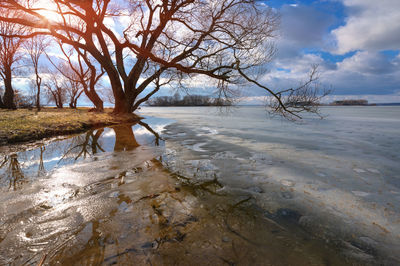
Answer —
(8, 98)
(121, 101)
(121, 105)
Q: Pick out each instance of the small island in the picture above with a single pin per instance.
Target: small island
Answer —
(188, 100)
(350, 103)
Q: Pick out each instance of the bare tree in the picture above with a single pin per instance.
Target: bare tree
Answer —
(9, 47)
(56, 90)
(74, 92)
(224, 40)
(83, 73)
(306, 97)
(36, 47)
(22, 100)
(72, 85)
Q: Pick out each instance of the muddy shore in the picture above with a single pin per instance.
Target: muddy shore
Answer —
(29, 125)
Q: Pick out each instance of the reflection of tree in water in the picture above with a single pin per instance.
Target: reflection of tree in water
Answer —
(85, 145)
(13, 172)
(157, 137)
(41, 168)
(124, 138)
(12, 167)
(88, 145)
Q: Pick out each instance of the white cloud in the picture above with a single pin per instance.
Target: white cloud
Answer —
(291, 72)
(364, 73)
(371, 25)
(368, 63)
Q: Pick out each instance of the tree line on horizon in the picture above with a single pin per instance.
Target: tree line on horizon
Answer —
(188, 100)
(139, 47)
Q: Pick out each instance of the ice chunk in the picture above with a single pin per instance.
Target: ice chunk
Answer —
(287, 183)
(360, 193)
(358, 170)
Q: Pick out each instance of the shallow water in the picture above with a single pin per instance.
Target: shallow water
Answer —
(214, 189)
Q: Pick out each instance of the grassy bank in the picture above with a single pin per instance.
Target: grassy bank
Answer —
(26, 125)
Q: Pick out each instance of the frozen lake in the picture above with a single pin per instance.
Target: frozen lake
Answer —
(217, 188)
(341, 173)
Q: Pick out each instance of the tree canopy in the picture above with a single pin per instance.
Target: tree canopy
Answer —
(149, 44)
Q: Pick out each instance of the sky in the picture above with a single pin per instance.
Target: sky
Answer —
(356, 44)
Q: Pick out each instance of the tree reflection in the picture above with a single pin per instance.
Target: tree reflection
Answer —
(41, 168)
(124, 138)
(13, 171)
(15, 167)
(85, 145)
(157, 137)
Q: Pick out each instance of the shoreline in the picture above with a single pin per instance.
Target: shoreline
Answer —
(24, 126)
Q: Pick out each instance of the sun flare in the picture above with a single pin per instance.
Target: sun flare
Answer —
(48, 10)
(51, 15)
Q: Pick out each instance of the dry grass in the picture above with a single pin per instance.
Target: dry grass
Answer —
(24, 125)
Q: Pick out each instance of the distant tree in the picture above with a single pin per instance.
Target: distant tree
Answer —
(9, 48)
(35, 48)
(56, 90)
(74, 92)
(188, 100)
(72, 85)
(22, 100)
(177, 97)
(82, 73)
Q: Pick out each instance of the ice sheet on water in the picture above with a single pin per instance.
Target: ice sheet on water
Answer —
(344, 166)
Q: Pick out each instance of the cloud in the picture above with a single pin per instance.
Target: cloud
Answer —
(302, 26)
(371, 25)
(365, 62)
(291, 72)
(365, 73)
(362, 73)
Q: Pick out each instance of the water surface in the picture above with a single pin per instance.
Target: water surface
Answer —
(195, 185)
(341, 174)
